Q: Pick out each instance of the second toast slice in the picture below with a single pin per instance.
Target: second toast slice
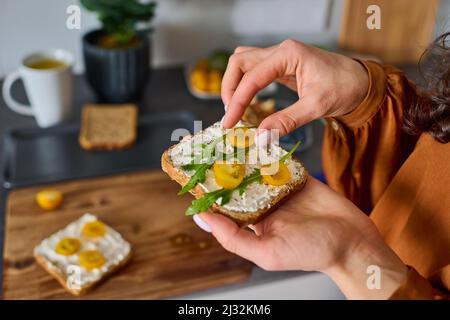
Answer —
(108, 127)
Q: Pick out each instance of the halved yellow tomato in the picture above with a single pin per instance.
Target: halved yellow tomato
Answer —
(68, 246)
(199, 79)
(215, 81)
(91, 259)
(228, 175)
(94, 229)
(241, 137)
(281, 176)
(49, 199)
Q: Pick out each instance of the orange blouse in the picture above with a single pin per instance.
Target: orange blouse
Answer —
(401, 181)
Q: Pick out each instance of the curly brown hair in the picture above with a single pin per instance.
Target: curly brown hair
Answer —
(430, 112)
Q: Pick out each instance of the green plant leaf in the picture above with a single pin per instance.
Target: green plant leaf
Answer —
(289, 154)
(200, 168)
(120, 17)
(255, 176)
(198, 177)
(209, 150)
(226, 196)
(205, 202)
(192, 166)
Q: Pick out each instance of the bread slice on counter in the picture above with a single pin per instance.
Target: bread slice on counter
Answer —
(108, 127)
(259, 198)
(83, 254)
(258, 110)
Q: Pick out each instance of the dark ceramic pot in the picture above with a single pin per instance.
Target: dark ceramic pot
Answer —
(116, 75)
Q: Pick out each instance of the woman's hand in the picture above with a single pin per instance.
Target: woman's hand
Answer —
(316, 229)
(328, 84)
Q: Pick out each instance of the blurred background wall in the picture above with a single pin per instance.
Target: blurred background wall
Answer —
(184, 29)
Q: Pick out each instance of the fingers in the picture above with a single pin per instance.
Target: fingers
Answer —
(234, 239)
(241, 49)
(268, 50)
(244, 59)
(248, 85)
(256, 229)
(290, 118)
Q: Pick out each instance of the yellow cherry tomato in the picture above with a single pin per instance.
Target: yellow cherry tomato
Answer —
(49, 199)
(215, 81)
(228, 175)
(94, 229)
(279, 178)
(215, 75)
(241, 137)
(68, 246)
(91, 259)
(215, 87)
(199, 79)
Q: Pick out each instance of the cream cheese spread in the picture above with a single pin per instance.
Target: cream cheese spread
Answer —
(111, 245)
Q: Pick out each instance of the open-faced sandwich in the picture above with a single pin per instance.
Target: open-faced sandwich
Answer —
(83, 253)
(227, 172)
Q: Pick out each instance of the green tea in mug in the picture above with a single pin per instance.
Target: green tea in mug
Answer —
(47, 63)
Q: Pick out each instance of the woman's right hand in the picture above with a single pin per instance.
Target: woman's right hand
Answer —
(328, 84)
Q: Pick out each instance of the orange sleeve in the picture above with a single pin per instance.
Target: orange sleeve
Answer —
(364, 149)
(417, 287)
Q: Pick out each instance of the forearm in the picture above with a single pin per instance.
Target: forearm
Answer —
(370, 263)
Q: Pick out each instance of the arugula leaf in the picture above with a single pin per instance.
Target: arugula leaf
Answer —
(200, 168)
(289, 154)
(205, 202)
(209, 150)
(255, 176)
(226, 196)
(199, 176)
(192, 166)
(237, 155)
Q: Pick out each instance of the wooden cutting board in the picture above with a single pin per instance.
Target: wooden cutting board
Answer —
(145, 209)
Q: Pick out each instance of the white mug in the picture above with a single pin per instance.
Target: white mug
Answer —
(49, 90)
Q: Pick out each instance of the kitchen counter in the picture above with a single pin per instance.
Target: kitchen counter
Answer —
(167, 92)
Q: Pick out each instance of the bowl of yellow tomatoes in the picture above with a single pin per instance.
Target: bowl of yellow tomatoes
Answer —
(204, 76)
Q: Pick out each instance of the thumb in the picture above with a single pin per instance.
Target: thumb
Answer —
(233, 238)
(288, 119)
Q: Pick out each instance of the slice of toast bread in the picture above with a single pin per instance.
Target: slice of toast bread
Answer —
(62, 278)
(108, 127)
(66, 269)
(241, 217)
(257, 111)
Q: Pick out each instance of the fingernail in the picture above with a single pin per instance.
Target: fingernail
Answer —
(221, 121)
(262, 139)
(201, 224)
(225, 107)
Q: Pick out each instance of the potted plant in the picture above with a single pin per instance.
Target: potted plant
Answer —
(117, 56)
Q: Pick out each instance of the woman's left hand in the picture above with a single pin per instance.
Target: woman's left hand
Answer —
(316, 229)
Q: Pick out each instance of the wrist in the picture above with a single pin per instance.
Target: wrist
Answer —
(368, 270)
(360, 87)
(374, 99)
